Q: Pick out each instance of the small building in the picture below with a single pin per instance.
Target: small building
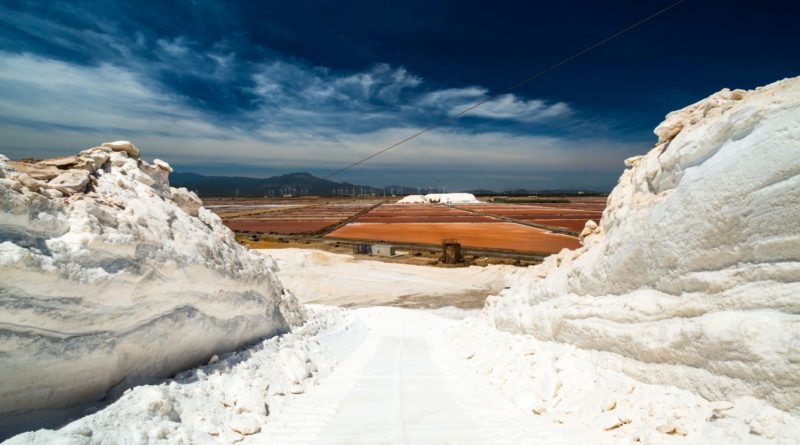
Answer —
(451, 251)
(383, 250)
(361, 249)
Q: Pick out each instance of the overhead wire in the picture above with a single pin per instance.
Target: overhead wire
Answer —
(454, 117)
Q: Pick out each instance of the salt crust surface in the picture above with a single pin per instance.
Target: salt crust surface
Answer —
(692, 277)
(110, 275)
(344, 280)
(366, 376)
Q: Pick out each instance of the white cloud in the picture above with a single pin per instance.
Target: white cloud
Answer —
(299, 122)
(445, 99)
(176, 47)
(43, 92)
(506, 106)
(280, 81)
(509, 106)
(193, 103)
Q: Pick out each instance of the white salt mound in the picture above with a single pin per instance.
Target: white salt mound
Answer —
(441, 198)
(692, 277)
(110, 275)
(412, 199)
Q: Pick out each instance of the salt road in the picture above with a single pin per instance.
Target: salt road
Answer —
(402, 386)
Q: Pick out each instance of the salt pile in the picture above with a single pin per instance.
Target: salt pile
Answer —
(412, 199)
(109, 275)
(692, 277)
(441, 198)
(228, 400)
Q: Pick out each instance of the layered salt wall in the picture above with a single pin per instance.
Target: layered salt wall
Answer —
(692, 276)
(108, 275)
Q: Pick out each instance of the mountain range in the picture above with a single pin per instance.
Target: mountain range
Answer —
(294, 184)
(306, 184)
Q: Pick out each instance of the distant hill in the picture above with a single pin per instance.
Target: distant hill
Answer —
(296, 184)
(306, 184)
(481, 192)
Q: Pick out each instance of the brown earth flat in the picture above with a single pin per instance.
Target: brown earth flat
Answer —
(534, 211)
(441, 211)
(283, 227)
(563, 217)
(391, 213)
(496, 235)
(280, 217)
(582, 215)
(570, 224)
(397, 219)
(599, 207)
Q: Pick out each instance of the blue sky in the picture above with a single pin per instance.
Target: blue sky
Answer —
(263, 88)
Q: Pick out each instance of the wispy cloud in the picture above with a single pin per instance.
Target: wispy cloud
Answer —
(198, 102)
(40, 93)
(506, 106)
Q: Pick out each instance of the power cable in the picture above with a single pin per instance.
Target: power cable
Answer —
(507, 90)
